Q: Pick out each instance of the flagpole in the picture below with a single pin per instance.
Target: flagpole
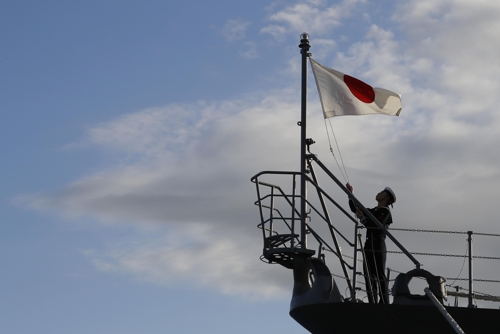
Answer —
(304, 50)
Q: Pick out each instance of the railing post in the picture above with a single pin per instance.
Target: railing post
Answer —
(294, 187)
(271, 211)
(366, 272)
(388, 294)
(257, 185)
(457, 290)
(355, 264)
(471, 292)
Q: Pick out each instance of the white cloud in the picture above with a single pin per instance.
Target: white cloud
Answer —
(323, 47)
(310, 16)
(461, 38)
(251, 51)
(457, 42)
(234, 30)
(275, 30)
(196, 146)
(197, 255)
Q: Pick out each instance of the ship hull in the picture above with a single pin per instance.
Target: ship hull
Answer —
(337, 318)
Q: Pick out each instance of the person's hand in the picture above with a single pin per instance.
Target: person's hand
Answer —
(350, 188)
(359, 213)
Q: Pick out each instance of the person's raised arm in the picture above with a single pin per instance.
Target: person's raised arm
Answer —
(353, 207)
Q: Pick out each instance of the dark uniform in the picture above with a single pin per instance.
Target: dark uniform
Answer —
(376, 253)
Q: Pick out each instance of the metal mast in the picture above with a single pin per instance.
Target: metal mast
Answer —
(304, 50)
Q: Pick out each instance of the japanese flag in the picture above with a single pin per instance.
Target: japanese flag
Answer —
(341, 94)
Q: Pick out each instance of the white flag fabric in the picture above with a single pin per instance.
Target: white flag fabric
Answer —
(341, 94)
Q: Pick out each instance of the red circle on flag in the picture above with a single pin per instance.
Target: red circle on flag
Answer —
(361, 90)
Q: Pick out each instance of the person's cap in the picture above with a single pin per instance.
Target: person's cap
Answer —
(389, 190)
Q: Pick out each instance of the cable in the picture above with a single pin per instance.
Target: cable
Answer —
(345, 176)
(338, 148)
(463, 264)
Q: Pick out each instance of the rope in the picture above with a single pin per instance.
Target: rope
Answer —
(346, 177)
(430, 254)
(448, 278)
(425, 254)
(440, 231)
(447, 255)
(463, 264)
(486, 257)
(487, 234)
(338, 148)
(476, 296)
(475, 279)
(426, 231)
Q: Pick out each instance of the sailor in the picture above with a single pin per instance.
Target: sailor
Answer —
(375, 249)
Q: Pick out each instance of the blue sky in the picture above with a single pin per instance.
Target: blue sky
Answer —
(130, 130)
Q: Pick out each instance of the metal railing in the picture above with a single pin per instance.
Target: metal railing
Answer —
(275, 221)
(280, 215)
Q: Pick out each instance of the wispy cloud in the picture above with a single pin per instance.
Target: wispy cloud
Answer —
(234, 30)
(323, 47)
(251, 51)
(197, 255)
(314, 17)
